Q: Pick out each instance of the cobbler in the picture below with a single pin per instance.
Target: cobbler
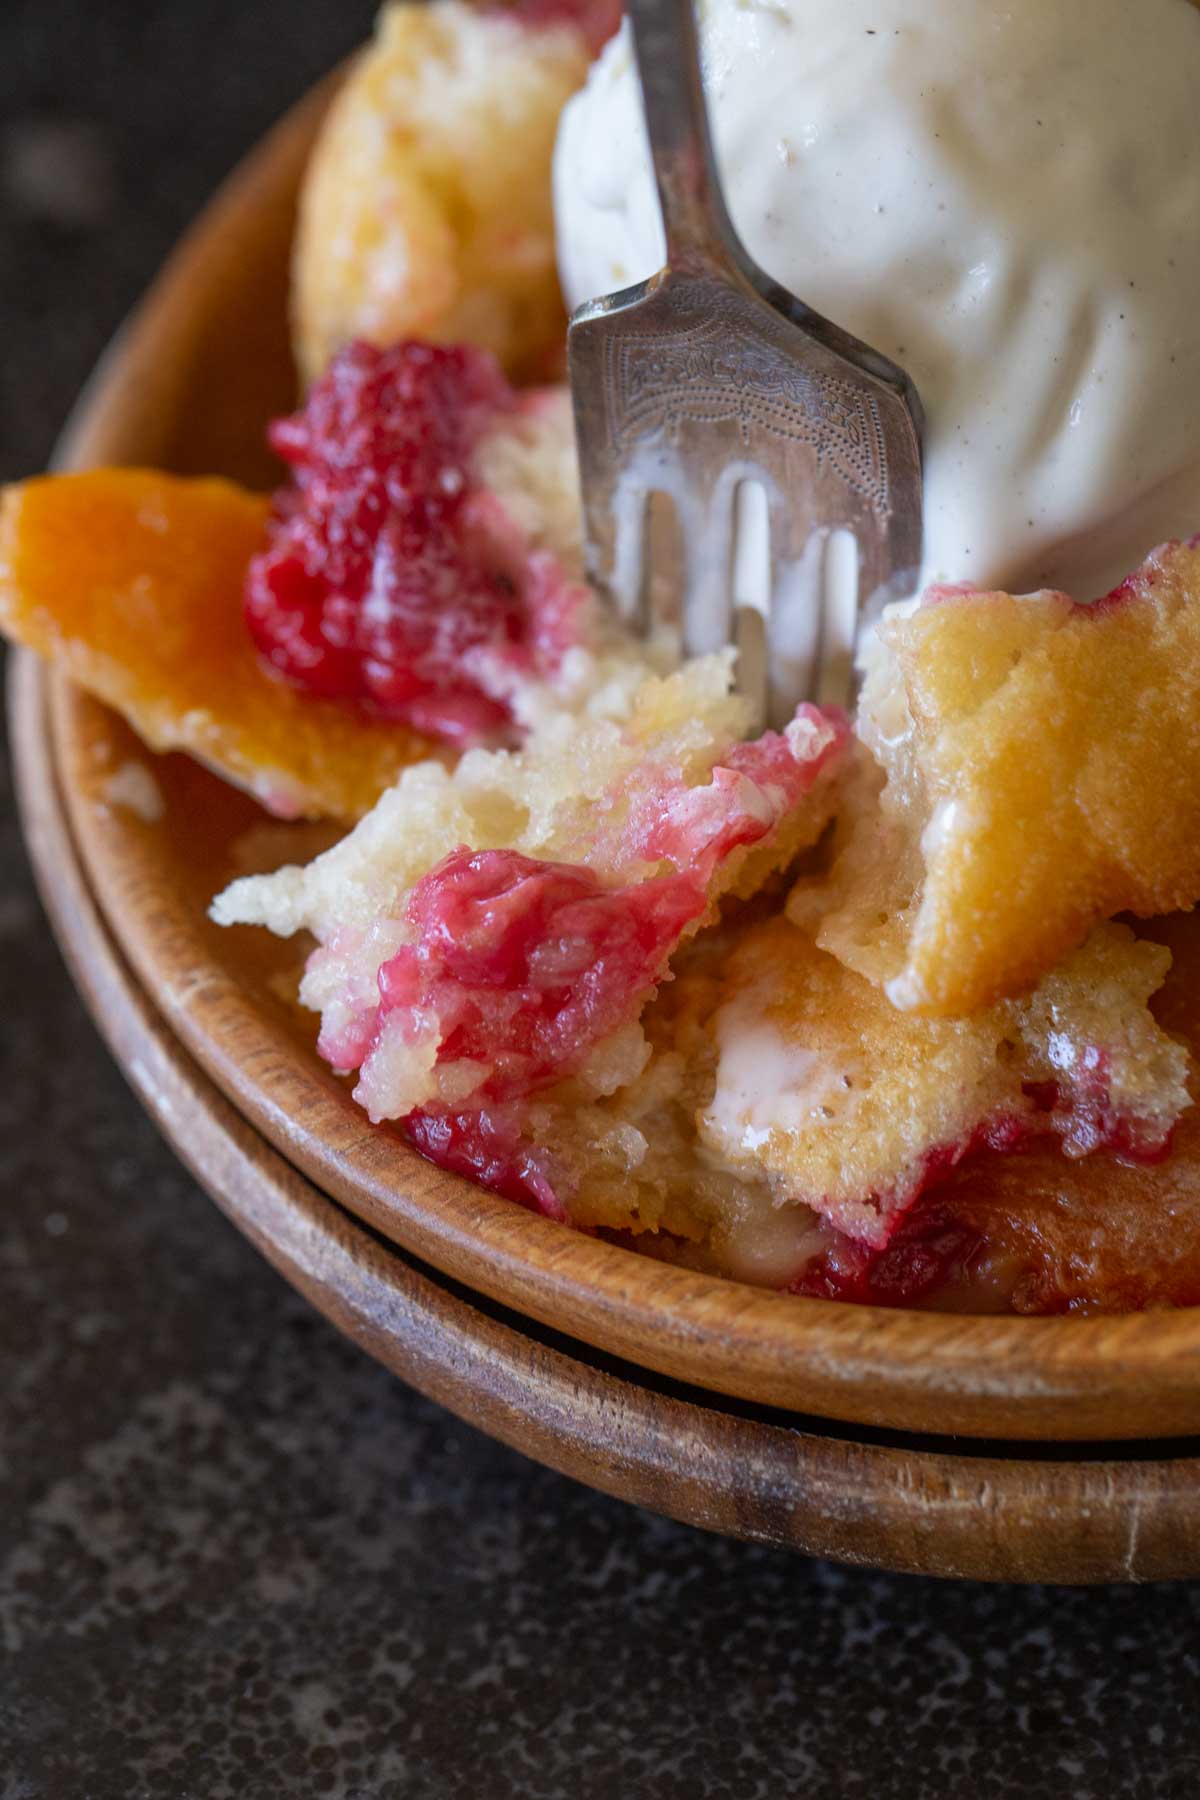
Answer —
(898, 1009)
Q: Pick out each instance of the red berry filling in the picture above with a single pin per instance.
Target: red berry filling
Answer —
(756, 785)
(596, 19)
(486, 1146)
(391, 580)
(526, 965)
(1085, 1116)
(516, 968)
(930, 1246)
(929, 1249)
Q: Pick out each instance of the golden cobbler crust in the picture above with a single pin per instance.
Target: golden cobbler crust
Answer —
(426, 211)
(1042, 764)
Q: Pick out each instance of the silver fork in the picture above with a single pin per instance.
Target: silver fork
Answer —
(789, 451)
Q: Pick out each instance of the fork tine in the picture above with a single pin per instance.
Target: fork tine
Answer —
(843, 575)
(796, 608)
(627, 580)
(599, 531)
(752, 592)
(706, 516)
(664, 547)
(818, 586)
(709, 375)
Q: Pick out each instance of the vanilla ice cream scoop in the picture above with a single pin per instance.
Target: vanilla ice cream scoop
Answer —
(1004, 199)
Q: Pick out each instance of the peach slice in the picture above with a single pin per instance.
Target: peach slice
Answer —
(131, 582)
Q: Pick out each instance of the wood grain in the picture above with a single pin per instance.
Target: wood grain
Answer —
(189, 386)
(750, 1472)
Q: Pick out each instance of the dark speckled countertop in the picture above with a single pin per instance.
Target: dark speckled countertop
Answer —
(237, 1560)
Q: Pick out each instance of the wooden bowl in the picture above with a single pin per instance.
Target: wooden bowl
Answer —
(189, 386)
(994, 1512)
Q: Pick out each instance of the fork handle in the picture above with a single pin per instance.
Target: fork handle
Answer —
(696, 223)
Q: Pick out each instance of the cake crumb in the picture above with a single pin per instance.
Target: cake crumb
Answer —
(133, 786)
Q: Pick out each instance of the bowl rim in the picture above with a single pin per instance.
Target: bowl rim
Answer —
(1135, 1375)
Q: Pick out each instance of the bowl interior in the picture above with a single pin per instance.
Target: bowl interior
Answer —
(908, 1504)
(189, 386)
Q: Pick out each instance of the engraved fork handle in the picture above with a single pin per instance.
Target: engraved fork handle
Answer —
(697, 226)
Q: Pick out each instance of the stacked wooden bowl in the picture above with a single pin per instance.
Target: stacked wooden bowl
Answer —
(999, 1448)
